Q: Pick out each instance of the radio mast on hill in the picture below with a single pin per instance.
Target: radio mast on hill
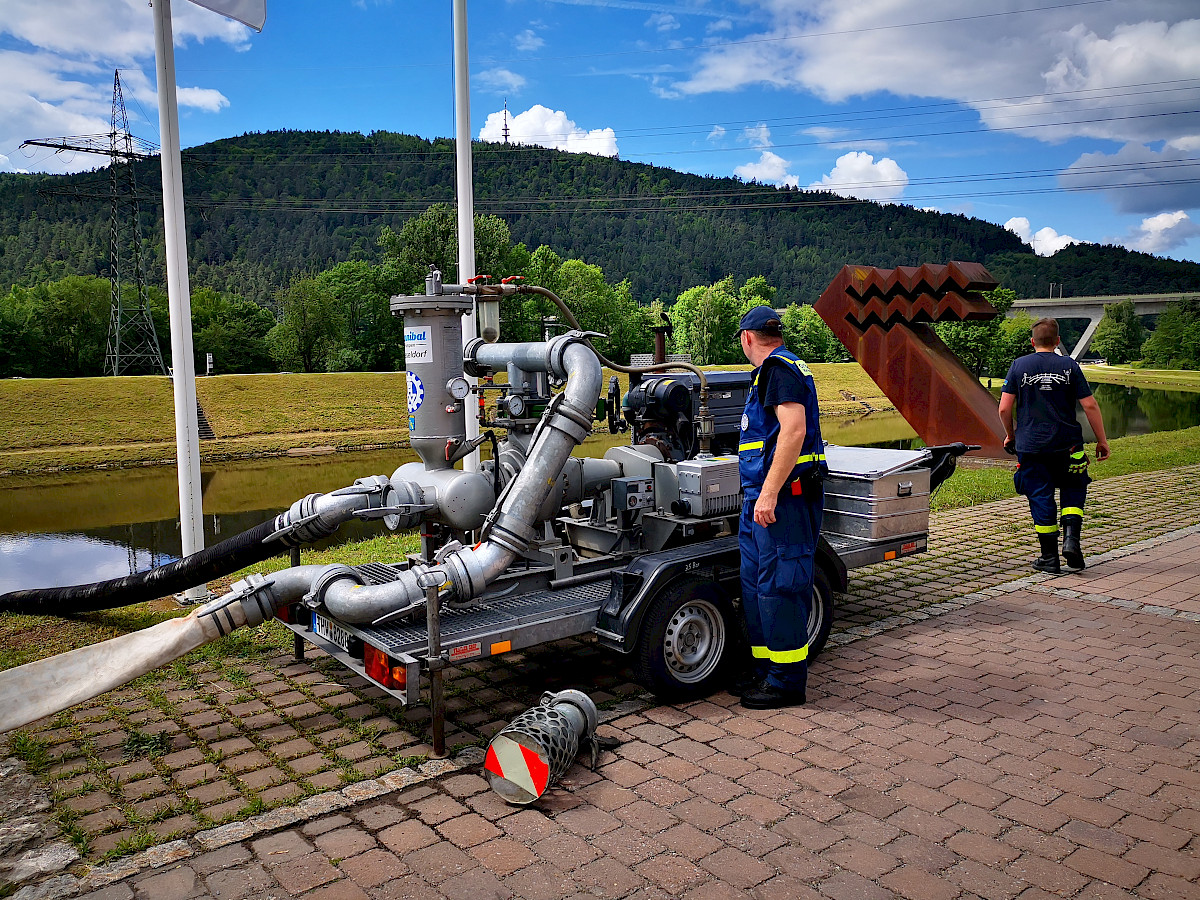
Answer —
(133, 347)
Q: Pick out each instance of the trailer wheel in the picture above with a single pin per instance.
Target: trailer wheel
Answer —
(687, 635)
(820, 613)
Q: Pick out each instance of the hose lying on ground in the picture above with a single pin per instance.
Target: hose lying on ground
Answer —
(232, 554)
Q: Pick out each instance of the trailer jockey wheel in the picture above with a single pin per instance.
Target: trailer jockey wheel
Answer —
(820, 613)
(687, 640)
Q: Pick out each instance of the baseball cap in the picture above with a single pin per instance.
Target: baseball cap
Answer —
(761, 318)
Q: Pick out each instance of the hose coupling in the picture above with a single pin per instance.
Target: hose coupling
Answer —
(316, 594)
(250, 601)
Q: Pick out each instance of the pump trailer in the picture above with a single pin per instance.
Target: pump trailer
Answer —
(637, 548)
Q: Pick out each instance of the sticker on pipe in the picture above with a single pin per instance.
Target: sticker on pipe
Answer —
(416, 391)
(418, 344)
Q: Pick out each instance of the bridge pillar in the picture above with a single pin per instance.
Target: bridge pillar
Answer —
(1085, 341)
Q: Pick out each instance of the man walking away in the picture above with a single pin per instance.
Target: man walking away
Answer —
(781, 461)
(1048, 442)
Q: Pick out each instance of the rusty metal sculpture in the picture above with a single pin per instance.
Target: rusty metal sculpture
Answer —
(882, 316)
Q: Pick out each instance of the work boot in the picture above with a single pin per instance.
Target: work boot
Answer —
(767, 696)
(1048, 561)
(747, 681)
(1071, 551)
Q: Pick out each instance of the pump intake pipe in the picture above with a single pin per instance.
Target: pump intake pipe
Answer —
(317, 516)
(511, 525)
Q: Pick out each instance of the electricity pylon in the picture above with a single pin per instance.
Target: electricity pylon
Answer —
(132, 339)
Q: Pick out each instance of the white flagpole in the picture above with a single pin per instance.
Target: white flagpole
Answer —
(187, 434)
(465, 191)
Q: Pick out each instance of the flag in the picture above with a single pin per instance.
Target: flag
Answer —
(248, 12)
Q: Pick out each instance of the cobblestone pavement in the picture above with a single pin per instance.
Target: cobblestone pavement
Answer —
(966, 735)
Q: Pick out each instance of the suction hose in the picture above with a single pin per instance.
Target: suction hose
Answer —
(47, 686)
(315, 517)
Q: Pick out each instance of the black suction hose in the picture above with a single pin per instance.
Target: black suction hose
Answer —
(232, 554)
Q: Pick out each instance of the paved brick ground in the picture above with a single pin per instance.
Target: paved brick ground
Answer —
(962, 739)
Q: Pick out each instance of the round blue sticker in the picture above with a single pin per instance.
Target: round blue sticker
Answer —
(416, 392)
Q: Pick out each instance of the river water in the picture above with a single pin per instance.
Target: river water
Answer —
(76, 528)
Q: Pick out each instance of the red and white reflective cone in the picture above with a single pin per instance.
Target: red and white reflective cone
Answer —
(539, 745)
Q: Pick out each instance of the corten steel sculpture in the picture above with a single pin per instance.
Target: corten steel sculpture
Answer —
(881, 317)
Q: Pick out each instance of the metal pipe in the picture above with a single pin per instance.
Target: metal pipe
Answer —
(510, 527)
(183, 379)
(437, 706)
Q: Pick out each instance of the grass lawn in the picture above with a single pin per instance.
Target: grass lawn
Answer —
(1168, 379)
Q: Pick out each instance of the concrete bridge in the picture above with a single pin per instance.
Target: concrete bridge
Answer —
(1092, 309)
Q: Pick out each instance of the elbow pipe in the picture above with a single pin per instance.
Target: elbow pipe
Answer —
(315, 517)
(511, 525)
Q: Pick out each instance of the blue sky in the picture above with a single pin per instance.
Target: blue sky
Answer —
(1062, 119)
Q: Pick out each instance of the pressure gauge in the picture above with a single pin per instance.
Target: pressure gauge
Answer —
(458, 387)
(516, 405)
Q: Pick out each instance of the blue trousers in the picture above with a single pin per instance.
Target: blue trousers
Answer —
(1041, 474)
(777, 583)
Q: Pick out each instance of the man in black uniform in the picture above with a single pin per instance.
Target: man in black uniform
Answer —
(781, 461)
(1044, 387)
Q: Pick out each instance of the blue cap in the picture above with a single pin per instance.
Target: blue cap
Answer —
(761, 318)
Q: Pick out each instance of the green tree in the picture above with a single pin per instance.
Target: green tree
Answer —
(431, 238)
(64, 326)
(1175, 343)
(1120, 334)
(973, 342)
(1012, 340)
(233, 330)
(756, 292)
(309, 328)
(705, 320)
(807, 335)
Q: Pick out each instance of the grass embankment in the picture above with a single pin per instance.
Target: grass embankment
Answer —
(1162, 379)
(68, 423)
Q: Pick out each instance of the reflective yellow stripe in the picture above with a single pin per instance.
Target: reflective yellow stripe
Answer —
(1072, 511)
(752, 445)
(811, 457)
(780, 656)
(1046, 529)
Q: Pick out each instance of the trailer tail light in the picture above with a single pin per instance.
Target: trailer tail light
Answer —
(285, 613)
(383, 669)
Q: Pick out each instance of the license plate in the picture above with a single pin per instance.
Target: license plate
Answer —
(331, 632)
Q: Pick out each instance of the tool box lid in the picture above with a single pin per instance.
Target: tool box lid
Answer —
(871, 462)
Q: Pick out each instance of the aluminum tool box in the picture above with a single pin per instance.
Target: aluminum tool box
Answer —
(876, 495)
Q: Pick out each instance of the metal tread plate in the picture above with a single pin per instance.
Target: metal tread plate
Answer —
(502, 614)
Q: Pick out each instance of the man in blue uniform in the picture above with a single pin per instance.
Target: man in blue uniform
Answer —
(1044, 386)
(781, 461)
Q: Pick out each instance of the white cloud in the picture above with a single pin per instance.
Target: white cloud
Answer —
(545, 127)
(757, 135)
(499, 81)
(1071, 66)
(1045, 241)
(57, 65)
(717, 133)
(663, 22)
(857, 174)
(771, 168)
(528, 41)
(1162, 233)
(719, 26)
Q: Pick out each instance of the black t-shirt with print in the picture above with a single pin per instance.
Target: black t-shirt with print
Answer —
(1047, 387)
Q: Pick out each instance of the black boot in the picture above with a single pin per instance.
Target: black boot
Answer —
(1048, 561)
(748, 680)
(1072, 552)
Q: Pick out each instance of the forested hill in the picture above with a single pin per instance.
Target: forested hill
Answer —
(263, 208)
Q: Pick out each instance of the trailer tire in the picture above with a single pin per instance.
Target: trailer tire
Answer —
(688, 638)
(820, 613)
